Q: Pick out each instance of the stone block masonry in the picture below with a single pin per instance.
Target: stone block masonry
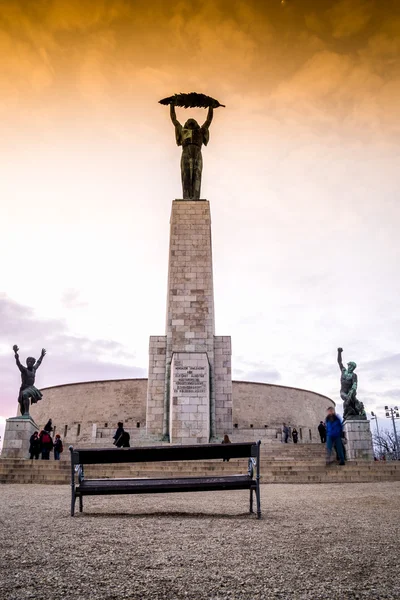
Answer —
(223, 385)
(156, 385)
(17, 435)
(190, 331)
(190, 398)
(359, 440)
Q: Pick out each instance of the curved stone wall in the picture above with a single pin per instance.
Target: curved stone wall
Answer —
(87, 412)
(75, 407)
(259, 409)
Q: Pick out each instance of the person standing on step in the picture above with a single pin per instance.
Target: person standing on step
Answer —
(322, 432)
(285, 433)
(46, 444)
(334, 436)
(34, 446)
(49, 426)
(295, 435)
(226, 440)
(58, 447)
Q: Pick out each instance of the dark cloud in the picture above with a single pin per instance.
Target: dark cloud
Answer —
(70, 358)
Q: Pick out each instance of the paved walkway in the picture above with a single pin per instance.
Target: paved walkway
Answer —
(331, 542)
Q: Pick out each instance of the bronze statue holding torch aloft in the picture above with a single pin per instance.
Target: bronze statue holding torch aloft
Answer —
(191, 136)
(352, 407)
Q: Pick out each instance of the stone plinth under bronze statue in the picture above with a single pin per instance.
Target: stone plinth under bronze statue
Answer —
(358, 439)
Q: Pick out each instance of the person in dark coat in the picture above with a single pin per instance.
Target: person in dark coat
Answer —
(333, 436)
(34, 446)
(49, 426)
(295, 435)
(285, 433)
(226, 440)
(322, 432)
(46, 444)
(126, 439)
(121, 437)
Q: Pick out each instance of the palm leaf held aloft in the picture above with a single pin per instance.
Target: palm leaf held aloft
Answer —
(191, 100)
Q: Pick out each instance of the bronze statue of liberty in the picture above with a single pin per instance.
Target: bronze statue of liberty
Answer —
(191, 136)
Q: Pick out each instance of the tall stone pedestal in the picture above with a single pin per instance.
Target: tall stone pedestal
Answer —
(189, 396)
(359, 440)
(16, 437)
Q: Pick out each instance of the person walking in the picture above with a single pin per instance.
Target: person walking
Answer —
(58, 447)
(226, 440)
(126, 439)
(285, 433)
(34, 446)
(118, 435)
(46, 444)
(333, 436)
(322, 432)
(121, 437)
(295, 435)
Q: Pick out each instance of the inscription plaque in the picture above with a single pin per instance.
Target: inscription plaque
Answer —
(189, 380)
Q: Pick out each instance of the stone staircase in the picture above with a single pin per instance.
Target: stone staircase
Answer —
(280, 463)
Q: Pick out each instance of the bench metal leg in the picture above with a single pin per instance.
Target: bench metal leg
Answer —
(80, 504)
(251, 500)
(73, 498)
(258, 501)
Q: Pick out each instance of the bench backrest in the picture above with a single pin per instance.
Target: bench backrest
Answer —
(91, 456)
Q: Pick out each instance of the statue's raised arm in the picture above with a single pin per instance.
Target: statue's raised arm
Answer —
(172, 113)
(176, 124)
(16, 356)
(39, 360)
(209, 119)
(339, 359)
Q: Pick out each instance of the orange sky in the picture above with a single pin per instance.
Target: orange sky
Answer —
(301, 172)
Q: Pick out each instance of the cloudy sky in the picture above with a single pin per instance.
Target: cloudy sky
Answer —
(301, 173)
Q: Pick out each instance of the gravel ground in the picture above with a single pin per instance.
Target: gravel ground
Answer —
(338, 541)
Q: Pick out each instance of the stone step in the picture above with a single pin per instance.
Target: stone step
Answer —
(319, 474)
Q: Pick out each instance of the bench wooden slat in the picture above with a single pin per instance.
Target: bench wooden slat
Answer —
(89, 456)
(93, 487)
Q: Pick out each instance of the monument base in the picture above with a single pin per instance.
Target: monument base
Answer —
(17, 435)
(359, 440)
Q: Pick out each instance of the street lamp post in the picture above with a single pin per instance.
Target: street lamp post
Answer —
(393, 413)
(375, 418)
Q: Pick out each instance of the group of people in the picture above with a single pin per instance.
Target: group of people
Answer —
(286, 434)
(41, 444)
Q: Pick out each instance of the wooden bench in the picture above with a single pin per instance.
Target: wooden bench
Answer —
(97, 487)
